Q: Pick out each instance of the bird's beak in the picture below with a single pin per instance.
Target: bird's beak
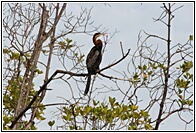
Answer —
(104, 33)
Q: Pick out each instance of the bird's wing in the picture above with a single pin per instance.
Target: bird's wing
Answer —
(93, 58)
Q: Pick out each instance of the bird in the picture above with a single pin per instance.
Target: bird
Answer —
(93, 59)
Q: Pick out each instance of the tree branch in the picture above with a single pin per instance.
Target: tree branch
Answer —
(115, 62)
(166, 73)
(43, 87)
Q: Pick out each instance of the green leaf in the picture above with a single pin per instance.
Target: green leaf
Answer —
(80, 59)
(124, 117)
(42, 107)
(124, 108)
(144, 67)
(94, 128)
(116, 104)
(133, 107)
(144, 113)
(162, 66)
(69, 46)
(112, 100)
(95, 103)
(181, 97)
(68, 40)
(179, 91)
(136, 115)
(153, 65)
(182, 101)
(71, 127)
(69, 116)
(150, 73)
(190, 102)
(15, 55)
(132, 126)
(61, 43)
(39, 71)
(33, 127)
(5, 50)
(39, 117)
(191, 37)
(28, 54)
(80, 128)
(140, 67)
(44, 51)
(51, 123)
(148, 126)
(105, 109)
(186, 66)
(135, 76)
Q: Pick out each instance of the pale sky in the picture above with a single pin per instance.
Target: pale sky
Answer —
(128, 19)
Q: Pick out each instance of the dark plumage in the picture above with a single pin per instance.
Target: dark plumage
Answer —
(93, 59)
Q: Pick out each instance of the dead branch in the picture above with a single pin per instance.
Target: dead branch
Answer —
(115, 62)
(111, 77)
(122, 48)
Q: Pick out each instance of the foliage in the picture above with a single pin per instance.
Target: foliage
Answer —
(11, 94)
(165, 73)
(32, 39)
(106, 116)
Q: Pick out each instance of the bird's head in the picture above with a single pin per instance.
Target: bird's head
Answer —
(95, 36)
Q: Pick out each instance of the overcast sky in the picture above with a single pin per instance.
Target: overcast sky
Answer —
(128, 19)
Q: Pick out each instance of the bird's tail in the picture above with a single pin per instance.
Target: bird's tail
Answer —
(88, 84)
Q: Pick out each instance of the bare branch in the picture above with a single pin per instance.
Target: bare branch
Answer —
(115, 62)
(122, 48)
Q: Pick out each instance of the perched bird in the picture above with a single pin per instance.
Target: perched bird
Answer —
(93, 59)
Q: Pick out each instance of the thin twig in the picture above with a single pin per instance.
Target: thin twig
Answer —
(122, 48)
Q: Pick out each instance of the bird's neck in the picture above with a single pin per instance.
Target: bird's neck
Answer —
(98, 43)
